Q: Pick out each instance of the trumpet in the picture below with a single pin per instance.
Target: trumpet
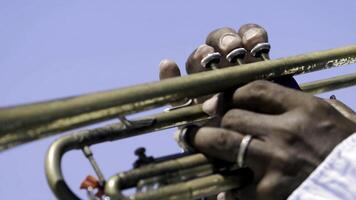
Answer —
(199, 176)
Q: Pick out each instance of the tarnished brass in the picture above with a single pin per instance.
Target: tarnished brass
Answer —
(189, 164)
(330, 84)
(29, 122)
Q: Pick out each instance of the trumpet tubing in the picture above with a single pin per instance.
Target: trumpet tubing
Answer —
(330, 84)
(29, 122)
(25, 123)
(164, 120)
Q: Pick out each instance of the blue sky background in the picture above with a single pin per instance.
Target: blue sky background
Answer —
(51, 49)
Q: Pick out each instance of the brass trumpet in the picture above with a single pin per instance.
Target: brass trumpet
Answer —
(202, 176)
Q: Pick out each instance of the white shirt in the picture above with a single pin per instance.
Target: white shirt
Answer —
(334, 178)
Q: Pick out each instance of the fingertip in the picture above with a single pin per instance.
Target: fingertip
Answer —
(224, 40)
(213, 38)
(210, 105)
(202, 51)
(247, 26)
(193, 64)
(168, 69)
(252, 34)
(229, 42)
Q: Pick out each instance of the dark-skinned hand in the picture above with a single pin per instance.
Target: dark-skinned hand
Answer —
(293, 131)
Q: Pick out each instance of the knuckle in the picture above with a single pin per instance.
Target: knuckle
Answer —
(315, 105)
(222, 139)
(283, 157)
(236, 121)
(287, 160)
(228, 119)
(259, 85)
(256, 88)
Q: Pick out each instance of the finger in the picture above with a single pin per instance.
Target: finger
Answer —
(251, 35)
(247, 122)
(193, 64)
(214, 37)
(210, 106)
(224, 40)
(266, 97)
(224, 144)
(168, 69)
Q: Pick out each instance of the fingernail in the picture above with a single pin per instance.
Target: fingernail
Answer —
(252, 32)
(210, 105)
(253, 36)
(227, 39)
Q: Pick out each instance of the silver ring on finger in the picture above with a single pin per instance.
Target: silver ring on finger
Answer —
(246, 140)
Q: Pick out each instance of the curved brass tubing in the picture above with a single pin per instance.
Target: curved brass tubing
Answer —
(160, 121)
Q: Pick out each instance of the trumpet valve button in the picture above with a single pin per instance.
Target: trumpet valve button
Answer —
(260, 48)
(235, 54)
(210, 60)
